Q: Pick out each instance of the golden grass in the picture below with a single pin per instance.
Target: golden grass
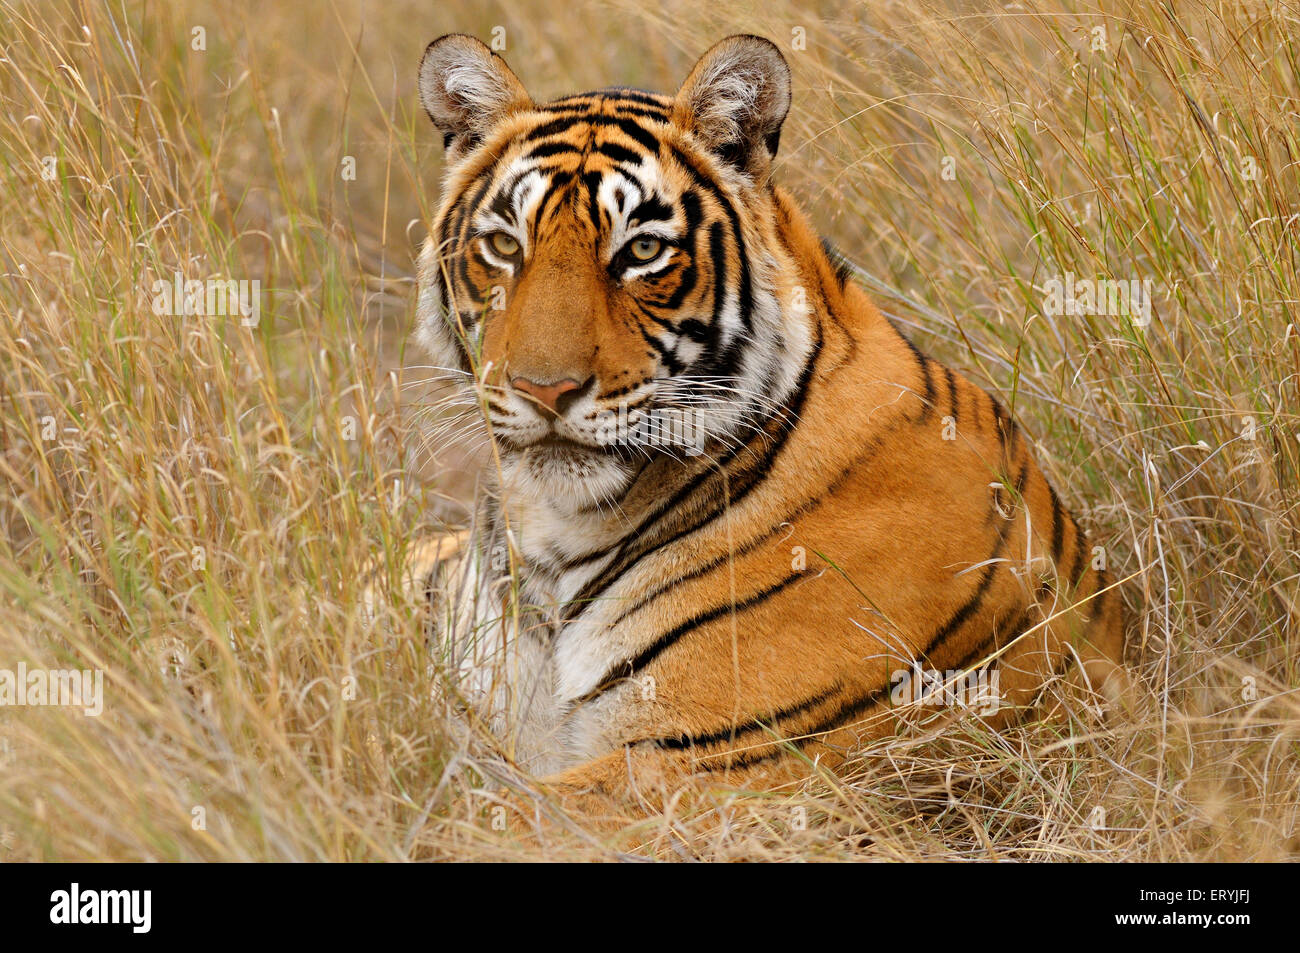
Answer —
(187, 506)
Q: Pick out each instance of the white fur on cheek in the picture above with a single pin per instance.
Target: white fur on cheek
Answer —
(432, 330)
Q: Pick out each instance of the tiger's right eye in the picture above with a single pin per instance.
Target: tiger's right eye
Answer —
(504, 244)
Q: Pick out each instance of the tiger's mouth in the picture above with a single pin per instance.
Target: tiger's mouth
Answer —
(560, 447)
(563, 439)
(568, 472)
(632, 439)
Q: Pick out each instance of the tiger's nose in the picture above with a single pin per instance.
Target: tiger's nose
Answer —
(549, 396)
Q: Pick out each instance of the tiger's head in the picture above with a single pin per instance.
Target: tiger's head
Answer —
(604, 271)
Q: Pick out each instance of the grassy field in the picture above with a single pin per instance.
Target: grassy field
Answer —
(187, 501)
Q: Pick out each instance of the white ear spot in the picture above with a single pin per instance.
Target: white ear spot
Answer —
(467, 89)
(735, 100)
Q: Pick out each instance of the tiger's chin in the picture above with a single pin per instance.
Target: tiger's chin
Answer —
(566, 474)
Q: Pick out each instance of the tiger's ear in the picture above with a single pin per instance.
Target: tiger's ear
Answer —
(735, 100)
(467, 89)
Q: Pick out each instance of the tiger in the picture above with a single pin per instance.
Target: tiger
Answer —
(732, 508)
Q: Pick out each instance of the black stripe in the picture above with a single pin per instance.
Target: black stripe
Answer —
(691, 329)
(612, 150)
(652, 210)
(1005, 426)
(995, 640)
(745, 288)
(923, 363)
(628, 94)
(503, 201)
(548, 149)
(591, 182)
(462, 271)
(452, 252)
(839, 264)
(615, 94)
(727, 761)
(446, 260)
(670, 360)
(561, 182)
(718, 257)
(657, 115)
(686, 284)
(579, 111)
(1100, 592)
(1058, 525)
(757, 723)
(1080, 544)
(847, 711)
(647, 655)
(629, 127)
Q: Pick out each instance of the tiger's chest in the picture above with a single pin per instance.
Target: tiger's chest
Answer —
(571, 575)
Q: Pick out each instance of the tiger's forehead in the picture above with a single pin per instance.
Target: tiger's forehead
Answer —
(596, 155)
(593, 130)
(614, 99)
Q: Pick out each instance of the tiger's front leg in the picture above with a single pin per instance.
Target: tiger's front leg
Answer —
(624, 788)
(490, 658)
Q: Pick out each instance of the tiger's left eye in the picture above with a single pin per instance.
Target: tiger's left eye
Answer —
(504, 244)
(645, 248)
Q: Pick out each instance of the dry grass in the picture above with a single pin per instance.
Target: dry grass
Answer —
(183, 508)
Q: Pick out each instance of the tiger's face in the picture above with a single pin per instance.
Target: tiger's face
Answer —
(600, 271)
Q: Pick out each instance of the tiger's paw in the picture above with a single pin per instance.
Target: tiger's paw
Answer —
(423, 565)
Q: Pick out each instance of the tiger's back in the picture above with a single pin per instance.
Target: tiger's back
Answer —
(859, 514)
